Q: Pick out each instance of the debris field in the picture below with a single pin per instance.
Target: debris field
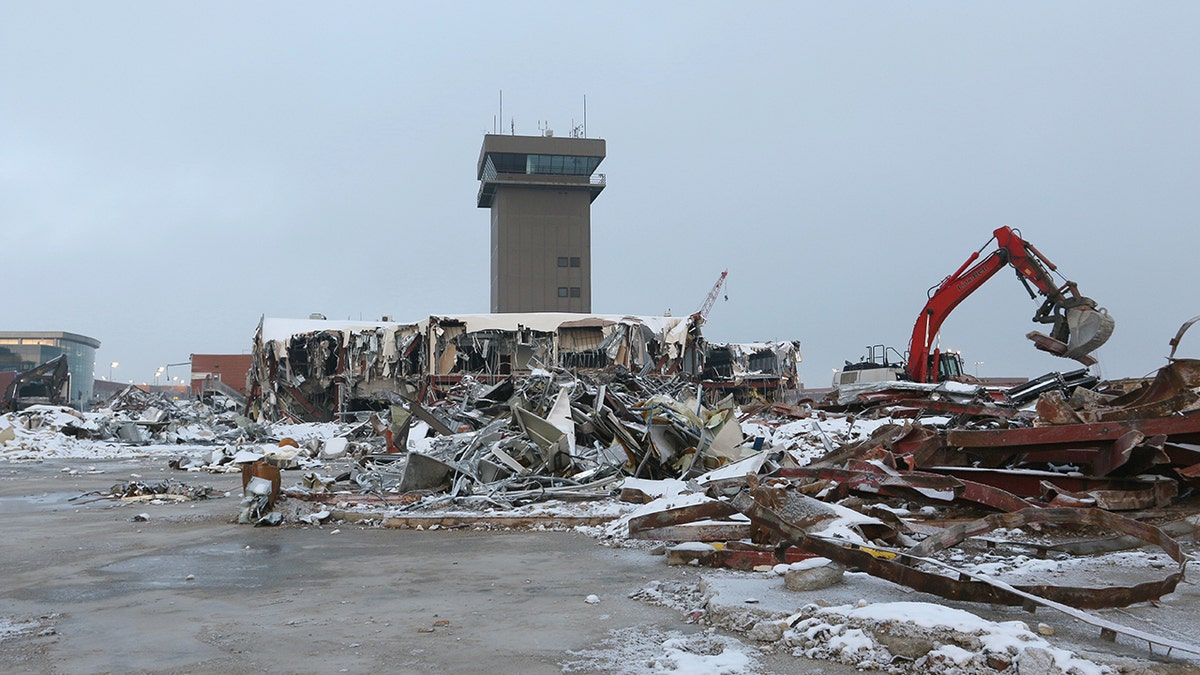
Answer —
(1065, 495)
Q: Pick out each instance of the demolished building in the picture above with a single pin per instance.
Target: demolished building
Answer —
(320, 370)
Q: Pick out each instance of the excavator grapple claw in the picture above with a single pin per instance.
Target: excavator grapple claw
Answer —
(1089, 329)
(1085, 328)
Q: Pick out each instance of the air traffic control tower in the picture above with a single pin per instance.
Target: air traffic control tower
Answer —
(540, 190)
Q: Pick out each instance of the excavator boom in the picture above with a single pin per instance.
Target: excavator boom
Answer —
(1078, 327)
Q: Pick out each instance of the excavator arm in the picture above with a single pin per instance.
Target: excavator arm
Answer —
(1077, 326)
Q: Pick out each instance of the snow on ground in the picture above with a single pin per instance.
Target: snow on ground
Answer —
(12, 626)
(641, 650)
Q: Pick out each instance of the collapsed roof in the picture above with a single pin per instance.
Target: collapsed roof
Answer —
(317, 370)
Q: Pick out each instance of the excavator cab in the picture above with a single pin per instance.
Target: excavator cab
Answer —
(947, 365)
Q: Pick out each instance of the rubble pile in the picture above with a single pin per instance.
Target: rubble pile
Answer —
(1026, 497)
(553, 436)
(769, 487)
(1079, 443)
(132, 417)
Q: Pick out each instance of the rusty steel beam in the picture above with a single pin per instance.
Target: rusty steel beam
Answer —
(641, 526)
(991, 496)
(851, 556)
(904, 483)
(1160, 494)
(1184, 427)
(1073, 455)
(697, 531)
(1170, 380)
(747, 558)
(898, 566)
(871, 481)
(1028, 484)
(299, 397)
(899, 438)
(1180, 455)
(473, 521)
(955, 408)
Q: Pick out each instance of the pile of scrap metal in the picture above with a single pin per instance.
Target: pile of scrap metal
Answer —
(134, 417)
(159, 491)
(820, 522)
(545, 436)
(1080, 453)
(1075, 446)
(317, 370)
(747, 522)
(1064, 439)
(781, 520)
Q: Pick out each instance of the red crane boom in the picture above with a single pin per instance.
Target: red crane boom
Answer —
(1078, 327)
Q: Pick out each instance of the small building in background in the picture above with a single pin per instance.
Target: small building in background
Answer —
(221, 373)
(25, 350)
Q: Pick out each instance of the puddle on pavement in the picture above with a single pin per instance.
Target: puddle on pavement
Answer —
(228, 566)
(47, 501)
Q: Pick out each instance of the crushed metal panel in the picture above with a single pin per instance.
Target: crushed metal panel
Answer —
(549, 439)
(422, 472)
(560, 417)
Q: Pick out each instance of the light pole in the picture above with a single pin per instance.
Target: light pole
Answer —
(977, 364)
(167, 368)
(112, 365)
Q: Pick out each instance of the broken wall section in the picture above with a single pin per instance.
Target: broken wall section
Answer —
(318, 370)
(766, 371)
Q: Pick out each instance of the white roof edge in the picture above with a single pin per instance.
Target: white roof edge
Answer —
(276, 329)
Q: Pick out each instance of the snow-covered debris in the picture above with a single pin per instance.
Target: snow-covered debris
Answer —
(646, 650)
(931, 638)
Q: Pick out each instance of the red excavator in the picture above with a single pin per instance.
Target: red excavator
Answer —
(1077, 329)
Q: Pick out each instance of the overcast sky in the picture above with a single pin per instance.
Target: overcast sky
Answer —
(172, 171)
